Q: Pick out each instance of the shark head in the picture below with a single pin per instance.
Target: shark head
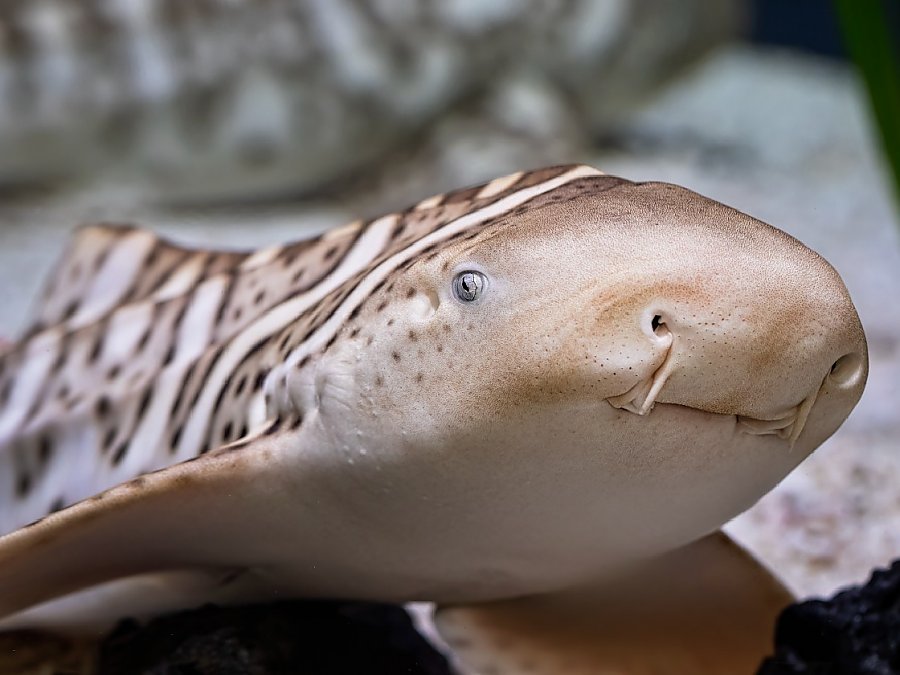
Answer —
(621, 366)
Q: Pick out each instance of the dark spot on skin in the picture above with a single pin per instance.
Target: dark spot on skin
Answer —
(412, 336)
(152, 257)
(395, 356)
(119, 454)
(23, 485)
(381, 306)
(108, 439)
(419, 377)
(275, 427)
(354, 333)
(145, 401)
(298, 275)
(58, 505)
(259, 298)
(45, 449)
(170, 355)
(102, 407)
(145, 338)
(379, 380)
(411, 292)
(370, 340)
(390, 322)
(447, 328)
(440, 348)
(378, 287)
(60, 360)
(96, 348)
(330, 253)
(176, 437)
(70, 310)
(113, 372)
(239, 387)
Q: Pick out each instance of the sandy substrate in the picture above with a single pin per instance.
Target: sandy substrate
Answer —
(782, 137)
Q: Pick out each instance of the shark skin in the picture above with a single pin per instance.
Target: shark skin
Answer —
(504, 391)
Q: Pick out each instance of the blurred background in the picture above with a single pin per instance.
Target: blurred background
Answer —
(247, 122)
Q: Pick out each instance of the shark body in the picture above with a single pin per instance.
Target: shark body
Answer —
(503, 390)
(224, 100)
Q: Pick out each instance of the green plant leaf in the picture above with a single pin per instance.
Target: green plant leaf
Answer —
(867, 28)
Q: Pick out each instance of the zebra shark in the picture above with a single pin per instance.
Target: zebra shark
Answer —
(505, 390)
(223, 100)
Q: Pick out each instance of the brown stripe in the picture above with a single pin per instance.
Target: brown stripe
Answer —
(464, 195)
(531, 178)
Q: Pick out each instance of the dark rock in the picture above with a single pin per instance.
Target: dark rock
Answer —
(296, 638)
(857, 632)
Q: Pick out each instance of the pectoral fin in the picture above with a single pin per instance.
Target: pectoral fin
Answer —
(708, 608)
(212, 516)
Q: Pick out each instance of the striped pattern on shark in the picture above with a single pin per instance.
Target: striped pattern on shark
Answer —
(240, 99)
(143, 354)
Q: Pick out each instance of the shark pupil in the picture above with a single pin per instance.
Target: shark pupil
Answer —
(468, 286)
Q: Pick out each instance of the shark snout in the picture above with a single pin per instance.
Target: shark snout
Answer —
(769, 346)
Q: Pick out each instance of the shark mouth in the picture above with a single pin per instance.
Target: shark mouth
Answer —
(787, 425)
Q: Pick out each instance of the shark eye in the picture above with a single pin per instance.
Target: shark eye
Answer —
(469, 285)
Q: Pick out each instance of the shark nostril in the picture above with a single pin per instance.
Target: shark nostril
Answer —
(846, 369)
(658, 326)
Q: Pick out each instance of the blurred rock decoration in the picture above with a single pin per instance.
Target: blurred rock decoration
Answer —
(281, 638)
(300, 638)
(857, 632)
(199, 101)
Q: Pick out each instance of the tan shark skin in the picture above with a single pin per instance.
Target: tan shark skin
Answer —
(643, 364)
